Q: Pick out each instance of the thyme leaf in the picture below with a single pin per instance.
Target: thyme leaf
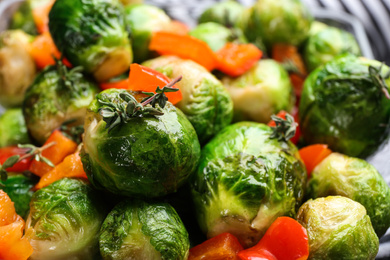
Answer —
(285, 128)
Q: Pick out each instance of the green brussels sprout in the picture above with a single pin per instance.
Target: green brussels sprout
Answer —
(245, 180)
(144, 156)
(225, 13)
(141, 230)
(283, 21)
(64, 221)
(262, 91)
(143, 20)
(17, 67)
(206, 103)
(23, 19)
(54, 97)
(18, 187)
(356, 179)
(93, 34)
(13, 128)
(343, 105)
(325, 43)
(216, 35)
(338, 228)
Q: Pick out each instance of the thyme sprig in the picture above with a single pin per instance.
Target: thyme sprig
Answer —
(31, 152)
(115, 114)
(379, 79)
(285, 128)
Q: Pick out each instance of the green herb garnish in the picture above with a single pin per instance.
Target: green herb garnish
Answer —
(285, 128)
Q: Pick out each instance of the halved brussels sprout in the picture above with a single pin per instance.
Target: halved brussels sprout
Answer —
(22, 19)
(17, 68)
(18, 187)
(13, 128)
(54, 97)
(216, 35)
(245, 180)
(206, 103)
(338, 229)
(225, 13)
(356, 179)
(325, 43)
(262, 91)
(141, 230)
(93, 34)
(143, 20)
(282, 21)
(145, 156)
(64, 221)
(343, 104)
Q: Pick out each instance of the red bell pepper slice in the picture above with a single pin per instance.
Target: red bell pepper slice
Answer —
(120, 84)
(312, 155)
(183, 46)
(41, 15)
(222, 247)
(235, 59)
(142, 78)
(285, 239)
(9, 151)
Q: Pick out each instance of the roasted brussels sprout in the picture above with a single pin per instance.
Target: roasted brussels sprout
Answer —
(356, 179)
(144, 156)
(13, 128)
(141, 230)
(245, 180)
(225, 13)
(325, 43)
(56, 96)
(338, 228)
(216, 35)
(17, 68)
(22, 19)
(343, 104)
(206, 103)
(283, 21)
(143, 20)
(262, 91)
(18, 187)
(93, 34)
(64, 221)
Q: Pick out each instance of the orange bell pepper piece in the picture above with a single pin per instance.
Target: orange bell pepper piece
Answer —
(7, 152)
(63, 147)
(285, 239)
(282, 114)
(120, 84)
(284, 52)
(142, 78)
(235, 59)
(222, 247)
(183, 46)
(41, 16)
(12, 245)
(313, 154)
(70, 167)
(42, 50)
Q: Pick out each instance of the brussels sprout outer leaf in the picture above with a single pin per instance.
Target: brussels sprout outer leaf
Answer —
(334, 95)
(147, 156)
(206, 103)
(64, 221)
(13, 128)
(338, 228)
(144, 231)
(245, 181)
(223, 246)
(356, 179)
(18, 187)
